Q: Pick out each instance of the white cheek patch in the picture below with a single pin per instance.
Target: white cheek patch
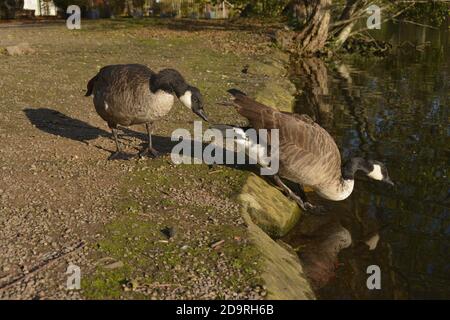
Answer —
(186, 99)
(376, 172)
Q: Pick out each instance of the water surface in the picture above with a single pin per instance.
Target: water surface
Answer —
(396, 110)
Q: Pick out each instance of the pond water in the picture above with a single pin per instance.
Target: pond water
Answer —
(396, 110)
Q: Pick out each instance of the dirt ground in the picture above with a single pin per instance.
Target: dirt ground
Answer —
(62, 202)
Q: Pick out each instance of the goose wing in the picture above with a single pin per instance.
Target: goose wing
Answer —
(308, 153)
(124, 77)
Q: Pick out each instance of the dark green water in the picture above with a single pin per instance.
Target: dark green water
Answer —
(393, 109)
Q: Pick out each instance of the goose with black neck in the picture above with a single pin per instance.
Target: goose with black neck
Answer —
(132, 94)
(308, 155)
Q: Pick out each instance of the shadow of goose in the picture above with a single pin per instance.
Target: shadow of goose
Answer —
(58, 124)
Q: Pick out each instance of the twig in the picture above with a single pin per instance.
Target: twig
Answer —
(215, 171)
(385, 20)
(144, 215)
(415, 23)
(164, 192)
(41, 267)
(217, 244)
(162, 285)
(375, 41)
(360, 13)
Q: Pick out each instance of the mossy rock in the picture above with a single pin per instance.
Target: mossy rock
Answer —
(271, 66)
(271, 69)
(277, 94)
(268, 207)
(282, 271)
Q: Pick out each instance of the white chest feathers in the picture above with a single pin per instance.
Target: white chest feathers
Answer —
(160, 103)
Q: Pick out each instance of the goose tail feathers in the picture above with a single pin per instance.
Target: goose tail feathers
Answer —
(90, 87)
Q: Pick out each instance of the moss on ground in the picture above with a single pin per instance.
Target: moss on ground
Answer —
(151, 259)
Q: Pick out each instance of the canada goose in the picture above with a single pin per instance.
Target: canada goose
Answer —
(133, 94)
(308, 155)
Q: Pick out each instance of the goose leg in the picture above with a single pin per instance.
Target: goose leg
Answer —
(149, 149)
(301, 193)
(308, 205)
(116, 140)
(301, 200)
(290, 193)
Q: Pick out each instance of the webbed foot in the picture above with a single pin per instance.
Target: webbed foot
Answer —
(149, 152)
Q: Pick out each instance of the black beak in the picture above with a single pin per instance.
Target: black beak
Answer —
(201, 114)
(389, 181)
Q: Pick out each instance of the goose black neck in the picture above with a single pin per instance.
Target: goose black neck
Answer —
(170, 81)
(354, 165)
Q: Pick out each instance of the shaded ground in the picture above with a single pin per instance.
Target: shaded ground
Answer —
(62, 202)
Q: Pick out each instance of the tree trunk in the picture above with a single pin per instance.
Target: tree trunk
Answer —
(313, 33)
(129, 8)
(346, 22)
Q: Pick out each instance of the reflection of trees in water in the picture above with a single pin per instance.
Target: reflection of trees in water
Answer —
(321, 246)
(400, 117)
(313, 79)
(357, 109)
(315, 97)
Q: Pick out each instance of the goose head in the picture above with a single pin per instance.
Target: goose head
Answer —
(192, 98)
(375, 170)
(378, 171)
(171, 81)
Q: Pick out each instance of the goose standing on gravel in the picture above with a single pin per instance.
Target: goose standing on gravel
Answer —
(308, 155)
(133, 94)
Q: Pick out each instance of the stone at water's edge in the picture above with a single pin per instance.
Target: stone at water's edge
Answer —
(277, 93)
(273, 66)
(269, 68)
(268, 207)
(282, 272)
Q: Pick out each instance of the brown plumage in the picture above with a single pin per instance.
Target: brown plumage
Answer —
(308, 155)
